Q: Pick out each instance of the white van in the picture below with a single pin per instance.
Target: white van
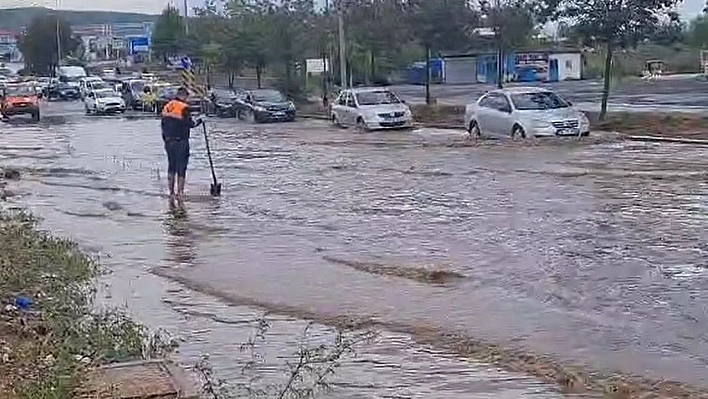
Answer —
(71, 74)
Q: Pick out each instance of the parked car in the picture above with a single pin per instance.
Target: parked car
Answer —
(85, 84)
(97, 85)
(104, 101)
(224, 103)
(132, 90)
(522, 112)
(167, 94)
(371, 108)
(63, 91)
(265, 105)
(20, 100)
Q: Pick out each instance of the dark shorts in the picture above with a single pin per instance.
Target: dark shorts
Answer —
(177, 156)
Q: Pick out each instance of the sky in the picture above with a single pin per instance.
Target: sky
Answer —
(689, 8)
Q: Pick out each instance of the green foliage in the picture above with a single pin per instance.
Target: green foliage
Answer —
(62, 337)
(168, 37)
(14, 19)
(39, 43)
(612, 24)
(697, 35)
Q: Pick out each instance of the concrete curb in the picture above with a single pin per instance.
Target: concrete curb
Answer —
(656, 139)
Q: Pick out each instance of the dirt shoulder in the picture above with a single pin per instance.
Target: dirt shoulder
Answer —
(672, 125)
(50, 336)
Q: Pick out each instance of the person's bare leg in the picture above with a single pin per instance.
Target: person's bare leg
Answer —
(180, 185)
(171, 184)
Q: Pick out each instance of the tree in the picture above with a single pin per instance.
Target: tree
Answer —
(440, 25)
(613, 24)
(669, 33)
(39, 44)
(168, 37)
(697, 35)
(512, 24)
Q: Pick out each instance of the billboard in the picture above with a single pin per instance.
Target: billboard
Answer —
(139, 45)
(532, 66)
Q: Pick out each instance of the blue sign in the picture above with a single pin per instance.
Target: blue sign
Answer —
(139, 45)
(186, 63)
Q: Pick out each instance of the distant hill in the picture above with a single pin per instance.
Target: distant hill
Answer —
(14, 19)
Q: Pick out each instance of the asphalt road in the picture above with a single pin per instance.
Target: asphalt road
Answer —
(685, 93)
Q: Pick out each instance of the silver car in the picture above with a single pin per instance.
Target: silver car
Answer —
(370, 108)
(522, 112)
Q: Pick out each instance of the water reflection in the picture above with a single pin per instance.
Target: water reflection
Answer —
(181, 241)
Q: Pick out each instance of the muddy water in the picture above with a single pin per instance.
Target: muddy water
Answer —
(592, 253)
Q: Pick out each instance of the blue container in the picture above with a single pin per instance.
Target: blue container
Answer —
(415, 73)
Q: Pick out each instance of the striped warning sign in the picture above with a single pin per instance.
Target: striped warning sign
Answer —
(189, 80)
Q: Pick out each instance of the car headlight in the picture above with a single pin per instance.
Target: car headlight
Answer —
(291, 106)
(258, 108)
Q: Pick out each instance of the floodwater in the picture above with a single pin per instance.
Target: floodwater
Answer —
(593, 253)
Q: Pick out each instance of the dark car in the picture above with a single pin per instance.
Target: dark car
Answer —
(131, 90)
(63, 91)
(167, 94)
(265, 105)
(224, 103)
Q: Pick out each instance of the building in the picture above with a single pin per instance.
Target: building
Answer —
(518, 66)
(106, 41)
(9, 50)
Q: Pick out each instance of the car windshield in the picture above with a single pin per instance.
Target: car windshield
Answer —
(100, 85)
(137, 86)
(106, 94)
(165, 93)
(270, 96)
(20, 91)
(377, 97)
(538, 101)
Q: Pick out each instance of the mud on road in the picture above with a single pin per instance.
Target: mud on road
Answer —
(591, 252)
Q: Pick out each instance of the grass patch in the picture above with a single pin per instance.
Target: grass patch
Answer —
(49, 345)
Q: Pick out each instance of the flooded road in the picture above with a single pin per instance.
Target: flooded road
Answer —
(592, 253)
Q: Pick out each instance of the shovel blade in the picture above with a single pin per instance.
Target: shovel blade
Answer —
(215, 190)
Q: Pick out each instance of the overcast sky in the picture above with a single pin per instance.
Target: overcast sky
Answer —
(689, 8)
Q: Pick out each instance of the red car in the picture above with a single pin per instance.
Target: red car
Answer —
(20, 100)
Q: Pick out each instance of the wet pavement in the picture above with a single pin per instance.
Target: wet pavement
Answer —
(685, 93)
(594, 253)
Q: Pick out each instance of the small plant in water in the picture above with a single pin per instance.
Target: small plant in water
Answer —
(305, 375)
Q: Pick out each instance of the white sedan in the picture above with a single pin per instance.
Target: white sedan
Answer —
(522, 112)
(370, 109)
(85, 84)
(104, 102)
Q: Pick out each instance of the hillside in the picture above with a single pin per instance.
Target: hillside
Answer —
(14, 19)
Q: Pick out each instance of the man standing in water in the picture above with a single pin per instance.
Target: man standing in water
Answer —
(176, 125)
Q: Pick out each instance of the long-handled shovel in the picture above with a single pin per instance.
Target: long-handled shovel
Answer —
(215, 188)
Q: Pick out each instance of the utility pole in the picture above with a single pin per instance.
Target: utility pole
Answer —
(186, 19)
(342, 48)
(58, 37)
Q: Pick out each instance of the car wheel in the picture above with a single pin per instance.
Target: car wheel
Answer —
(474, 130)
(361, 125)
(248, 116)
(88, 111)
(518, 132)
(36, 116)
